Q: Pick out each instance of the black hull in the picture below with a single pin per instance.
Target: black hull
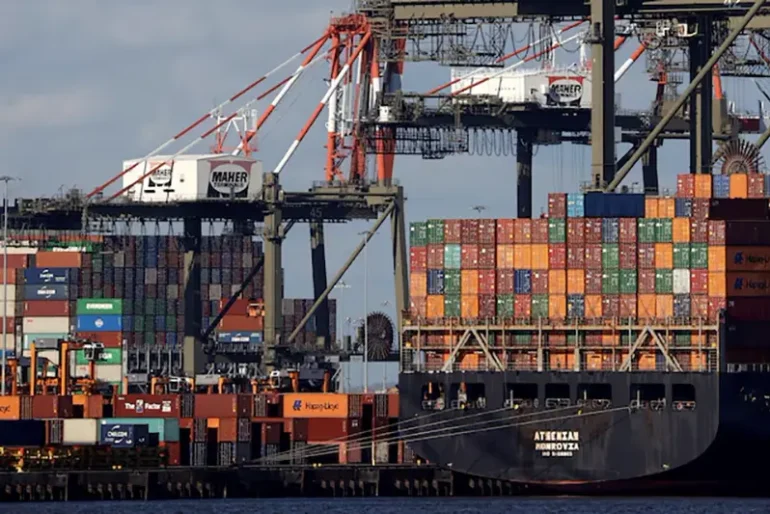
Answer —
(720, 442)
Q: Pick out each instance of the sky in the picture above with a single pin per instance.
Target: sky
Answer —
(87, 84)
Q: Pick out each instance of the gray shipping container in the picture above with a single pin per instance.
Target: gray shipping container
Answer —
(151, 276)
(46, 292)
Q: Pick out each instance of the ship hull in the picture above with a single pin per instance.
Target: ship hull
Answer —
(718, 433)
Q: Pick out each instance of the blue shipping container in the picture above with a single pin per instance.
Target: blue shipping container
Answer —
(123, 435)
(100, 323)
(576, 306)
(614, 205)
(435, 281)
(575, 205)
(610, 230)
(239, 337)
(593, 206)
(37, 276)
(721, 186)
(128, 323)
(47, 292)
(172, 340)
(682, 207)
(29, 432)
(522, 281)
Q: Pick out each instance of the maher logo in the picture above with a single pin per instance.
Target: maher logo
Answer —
(747, 283)
(565, 90)
(326, 407)
(229, 177)
(141, 406)
(552, 443)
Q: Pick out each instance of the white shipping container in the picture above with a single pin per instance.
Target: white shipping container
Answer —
(110, 373)
(47, 325)
(193, 177)
(81, 431)
(21, 250)
(8, 292)
(9, 309)
(9, 343)
(681, 281)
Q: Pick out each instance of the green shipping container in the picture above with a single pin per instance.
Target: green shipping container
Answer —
(664, 281)
(611, 281)
(82, 246)
(646, 230)
(664, 230)
(557, 230)
(418, 233)
(149, 307)
(628, 281)
(539, 306)
(138, 323)
(505, 305)
(161, 307)
(627, 339)
(149, 337)
(699, 256)
(610, 256)
(435, 232)
(172, 323)
(452, 256)
(452, 306)
(106, 356)
(682, 256)
(452, 281)
(682, 339)
(524, 338)
(166, 428)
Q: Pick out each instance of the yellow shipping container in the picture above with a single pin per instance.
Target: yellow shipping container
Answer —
(717, 258)
(557, 281)
(522, 256)
(505, 257)
(666, 208)
(576, 281)
(557, 306)
(651, 207)
(664, 305)
(469, 281)
(739, 185)
(540, 256)
(717, 283)
(703, 185)
(664, 255)
(681, 228)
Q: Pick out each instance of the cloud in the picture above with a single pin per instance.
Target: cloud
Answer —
(53, 110)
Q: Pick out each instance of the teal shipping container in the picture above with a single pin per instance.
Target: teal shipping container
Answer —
(166, 428)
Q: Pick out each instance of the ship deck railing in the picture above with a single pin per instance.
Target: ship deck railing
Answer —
(689, 324)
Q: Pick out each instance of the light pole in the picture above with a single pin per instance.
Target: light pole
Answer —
(341, 285)
(5, 179)
(366, 313)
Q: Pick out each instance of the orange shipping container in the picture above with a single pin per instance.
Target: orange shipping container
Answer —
(747, 283)
(646, 361)
(540, 256)
(58, 259)
(717, 283)
(561, 360)
(522, 256)
(469, 361)
(593, 361)
(698, 361)
(557, 281)
(664, 256)
(435, 306)
(703, 185)
(469, 306)
(739, 185)
(646, 306)
(747, 258)
(681, 230)
(505, 256)
(469, 281)
(557, 306)
(717, 258)
(10, 407)
(664, 305)
(418, 284)
(593, 306)
(610, 339)
(576, 281)
(666, 208)
(651, 207)
(315, 405)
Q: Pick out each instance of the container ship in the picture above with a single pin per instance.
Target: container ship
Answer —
(618, 342)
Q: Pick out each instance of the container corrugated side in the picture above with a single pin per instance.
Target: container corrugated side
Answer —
(47, 325)
(81, 431)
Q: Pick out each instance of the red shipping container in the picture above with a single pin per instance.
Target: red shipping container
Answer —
(148, 405)
(418, 258)
(51, 406)
(227, 432)
(505, 231)
(539, 282)
(11, 277)
(611, 305)
(628, 306)
(557, 205)
(241, 324)
(627, 230)
(487, 231)
(322, 430)
(717, 233)
(522, 231)
(47, 308)
(242, 306)
(223, 405)
(453, 231)
(435, 256)
(700, 208)
(645, 282)
(593, 281)
(699, 281)
(749, 309)
(699, 306)
(418, 306)
(540, 231)
(522, 306)
(15, 260)
(699, 231)
(685, 185)
(576, 231)
(271, 432)
(576, 256)
(716, 304)
(487, 306)
(593, 256)
(108, 339)
(504, 281)
(174, 453)
(470, 231)
(646, 253)
(756, 185)
(487, 281)
(628, 256)
(593, 230)
(557, 256)
(469, 256)
(487, 257)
